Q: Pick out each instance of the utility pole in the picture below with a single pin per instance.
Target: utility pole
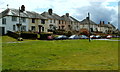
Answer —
(89, 25)
(20, 23)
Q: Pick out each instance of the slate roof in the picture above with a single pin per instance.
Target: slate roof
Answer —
(70, 18)
(86, 21)
(110, 25)
(15, 12)
(53, 16)
(106, 25)
(102, 25)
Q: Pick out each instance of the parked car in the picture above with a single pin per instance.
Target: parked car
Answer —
(83, 37)
(109, 37)
(61, 37)
(74, 37)
(93, 37)
(98, 36)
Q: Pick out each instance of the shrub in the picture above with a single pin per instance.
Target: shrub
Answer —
(29, 35)
(44, 36)
(12, 34)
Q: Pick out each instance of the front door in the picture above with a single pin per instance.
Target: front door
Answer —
(40, 28)
(2, 30)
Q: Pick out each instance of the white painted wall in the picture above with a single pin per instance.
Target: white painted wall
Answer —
(9, 24)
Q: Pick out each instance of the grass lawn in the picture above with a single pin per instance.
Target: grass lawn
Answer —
(60, 55)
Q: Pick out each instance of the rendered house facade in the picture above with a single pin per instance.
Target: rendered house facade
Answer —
(47, 22)
(9, 20)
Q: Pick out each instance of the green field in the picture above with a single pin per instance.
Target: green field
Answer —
(59, 55)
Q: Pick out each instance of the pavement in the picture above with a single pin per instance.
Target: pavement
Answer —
(106, 39)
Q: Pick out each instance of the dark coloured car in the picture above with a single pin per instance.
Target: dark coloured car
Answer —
(61, 37)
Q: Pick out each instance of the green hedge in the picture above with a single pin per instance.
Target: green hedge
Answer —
(44, 36)
(12, 34)
(29, 35)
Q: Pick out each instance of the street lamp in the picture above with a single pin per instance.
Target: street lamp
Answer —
(20, 23)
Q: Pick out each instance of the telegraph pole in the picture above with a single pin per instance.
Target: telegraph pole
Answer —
(89, 25)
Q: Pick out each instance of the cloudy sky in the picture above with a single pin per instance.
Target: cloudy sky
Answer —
(104, 10)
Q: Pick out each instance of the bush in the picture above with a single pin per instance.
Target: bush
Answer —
(29, 35)
(12, 34)
(44, 36)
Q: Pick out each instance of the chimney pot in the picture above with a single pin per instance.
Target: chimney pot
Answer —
(67, 14)
(100, 22)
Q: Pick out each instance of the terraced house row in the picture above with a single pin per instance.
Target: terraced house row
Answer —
(47, 22)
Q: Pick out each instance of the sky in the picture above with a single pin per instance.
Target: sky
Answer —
(100, 10)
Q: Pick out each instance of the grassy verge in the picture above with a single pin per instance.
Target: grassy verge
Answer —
(10, 39)
(61, 55)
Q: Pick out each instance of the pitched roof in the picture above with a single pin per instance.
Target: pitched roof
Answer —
(15, 12)
(110, 25)
(86, 21)
(53, 16)
(69, 18)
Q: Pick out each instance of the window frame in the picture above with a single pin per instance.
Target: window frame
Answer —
(3, 20)
(33, 20)
(14, 18)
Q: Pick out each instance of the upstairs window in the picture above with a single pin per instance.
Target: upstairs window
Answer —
(14, 18)
(54, 21)
(59, 21)
(4, 21)
(42, 21)
(33, 20)
(62, 22)
(23, 19)
(51, 21)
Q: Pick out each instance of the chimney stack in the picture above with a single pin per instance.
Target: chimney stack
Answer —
(100, 22)
(67, 14)
(50, 11)
(103, 22)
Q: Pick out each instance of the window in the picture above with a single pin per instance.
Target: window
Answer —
(62, 22)
(33, 28)
(54, 21)
(42, 21)
(23, 19)
(59, 27)
(42, 28)
(4, 21)
(14, 18)
(23, 28)
(59, 21)
(33, 20)
(14, 27)
(51, 21)
(62, 27)
(51, 26)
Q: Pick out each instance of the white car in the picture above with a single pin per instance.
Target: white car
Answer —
(109, 36)
(74, 37)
